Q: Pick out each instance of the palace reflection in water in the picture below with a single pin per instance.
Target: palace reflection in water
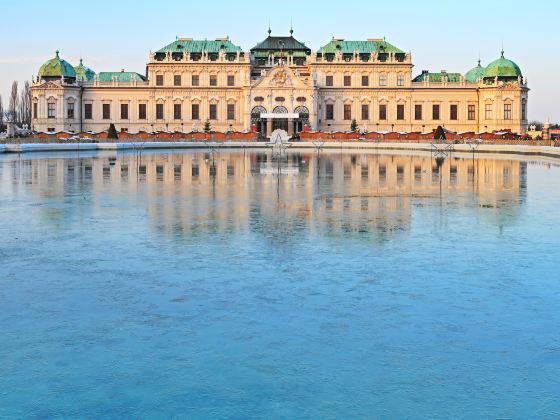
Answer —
(194, 192)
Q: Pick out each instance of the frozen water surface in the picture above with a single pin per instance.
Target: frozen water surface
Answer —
(200, 285)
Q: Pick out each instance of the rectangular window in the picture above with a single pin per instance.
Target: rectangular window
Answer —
(159, 111)
(195, 112)
(383, 79)
(365, 112)
(347, 80)
(400, 112)
(231, 80)
(523, 110)
(88, 111)
(400, 79)
(507, 111)
(213, 80)
(329, 81)
(453, 113)
(383, 112)
(418, 112)
(347, 111)
(124, 111)
(70, 110)
(106, 111)
(329, 112)
(488, 112)
(195, 80)
(35, 110)
(231, 111)
(177, 80)
(51, 110)
(435, 112)
(177, 114)
(472, 112)
(213, 112)
(142, 114)
(159, 79)
(365, 80)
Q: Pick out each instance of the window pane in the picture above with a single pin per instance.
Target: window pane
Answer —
(195, 80)
(417, 112)
(106, 111)
(159, 111)
(231, 80)
(88, 111)
(365, 112)
(142, 111)
(177, 80)
(453, 112)
(159, 80)
(124, 111)
(195, 112)
(383, 112)
(400, 112)
(177, 111)
(365, 80)
(329, 81)
(347, 111)
(213, 111)
(231, 111)
(330, 112)
(435, 112)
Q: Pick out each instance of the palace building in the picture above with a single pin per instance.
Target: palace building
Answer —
(279, 84)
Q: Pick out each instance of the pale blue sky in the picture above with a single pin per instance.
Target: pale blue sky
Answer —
(111, 35)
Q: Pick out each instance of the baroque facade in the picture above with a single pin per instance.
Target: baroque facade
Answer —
(280, 83)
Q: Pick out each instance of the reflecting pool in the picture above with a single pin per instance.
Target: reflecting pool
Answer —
(247, 284)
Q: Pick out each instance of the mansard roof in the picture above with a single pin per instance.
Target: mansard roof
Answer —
(198, 46)
(362, 47)
(121, 76)
(276, 43)
(438, 77)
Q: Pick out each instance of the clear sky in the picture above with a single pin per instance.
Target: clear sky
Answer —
(117, 34)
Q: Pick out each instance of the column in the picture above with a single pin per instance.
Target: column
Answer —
(269, 127)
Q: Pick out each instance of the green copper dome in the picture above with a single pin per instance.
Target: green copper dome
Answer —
(475, 74)
(84, 73)
(502, 68)
(57, 68)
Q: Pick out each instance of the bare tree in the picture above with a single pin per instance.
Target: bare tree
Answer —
(25, 105)
(1, 115)
(14, 99)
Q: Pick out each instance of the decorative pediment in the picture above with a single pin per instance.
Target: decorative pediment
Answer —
(282, 77)
(48, 85)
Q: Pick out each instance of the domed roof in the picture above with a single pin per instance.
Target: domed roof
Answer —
(475, 74)
(83, 72)
(502, 68)
(57, 67)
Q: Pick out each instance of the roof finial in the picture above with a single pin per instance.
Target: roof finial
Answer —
(502, 48)
(291, 27)
(57, 54)
(269, 30)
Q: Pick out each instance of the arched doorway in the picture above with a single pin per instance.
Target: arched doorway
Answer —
(259, 122)
(302, 120)
(280, 123)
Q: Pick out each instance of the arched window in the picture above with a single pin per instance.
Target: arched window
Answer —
(280, 110)
(256, 113)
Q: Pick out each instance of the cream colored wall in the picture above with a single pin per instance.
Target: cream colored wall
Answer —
(313, 88)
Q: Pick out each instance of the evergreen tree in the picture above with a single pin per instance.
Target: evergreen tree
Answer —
(439, 134)
(354, 125)
(112, 133)
(207, 126)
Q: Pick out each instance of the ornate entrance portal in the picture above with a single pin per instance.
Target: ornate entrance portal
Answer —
(280, 123)
(280, 119)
